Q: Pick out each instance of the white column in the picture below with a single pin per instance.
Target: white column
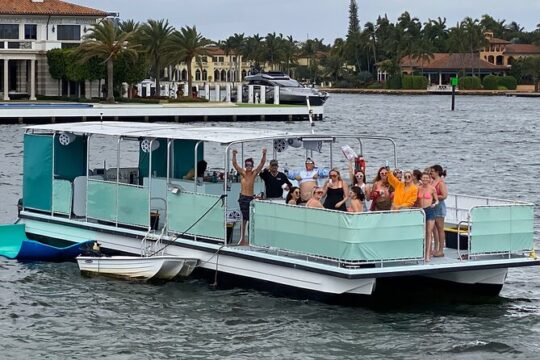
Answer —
(228, 92)
(6, 82)
(187, 90)
(148, 90)
(207, 91)
(239, 93)
(276, 95)
(262, 98)
(250, 94)
(216, 90)
(440, 78)
(32, 80)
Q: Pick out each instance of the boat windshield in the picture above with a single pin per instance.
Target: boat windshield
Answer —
(286, 83)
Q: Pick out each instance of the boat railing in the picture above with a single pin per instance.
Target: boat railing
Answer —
(492, 226)
(346, 239)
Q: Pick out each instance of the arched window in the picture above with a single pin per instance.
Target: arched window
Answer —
(499, 60)
(511, 60)
(491, 59)
(184, 75)
(204, 75)
(223, 75)
(244, 73)
(198, 75)
(216, 75)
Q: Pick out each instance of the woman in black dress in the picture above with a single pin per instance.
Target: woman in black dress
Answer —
(336, 192)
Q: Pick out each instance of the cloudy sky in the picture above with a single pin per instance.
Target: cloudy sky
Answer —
(327, 19)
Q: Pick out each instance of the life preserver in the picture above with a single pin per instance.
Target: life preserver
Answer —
(360, 164)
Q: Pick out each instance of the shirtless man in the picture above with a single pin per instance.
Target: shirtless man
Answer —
(307, 180)
(247, 194)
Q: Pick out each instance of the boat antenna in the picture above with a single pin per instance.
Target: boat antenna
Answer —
(310, 115)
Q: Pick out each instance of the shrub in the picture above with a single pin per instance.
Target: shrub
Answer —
(393, 82)
(500, 87)
(508, 82)
(470, 83)
(414, 82)
(490, 82)
(375, 85)
(187, 99)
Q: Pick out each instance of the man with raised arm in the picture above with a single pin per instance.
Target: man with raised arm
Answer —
(247, 193)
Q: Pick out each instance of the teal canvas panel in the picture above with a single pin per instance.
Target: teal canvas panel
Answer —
(367, 236)
(184, 156)
(101, 200)
(37, 170)
(159, 161)
(185, 208)
(70, 160)
(502, 229)
(133, 205)
(11, 239)
(62, 197)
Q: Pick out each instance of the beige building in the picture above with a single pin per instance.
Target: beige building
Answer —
(502, 52)
(216, 67)
(28, 29)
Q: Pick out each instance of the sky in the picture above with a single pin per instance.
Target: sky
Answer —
(303, 19)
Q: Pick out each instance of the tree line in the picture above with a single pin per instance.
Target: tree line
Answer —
(127, 51)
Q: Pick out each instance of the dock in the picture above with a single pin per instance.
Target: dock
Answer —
(48, 112)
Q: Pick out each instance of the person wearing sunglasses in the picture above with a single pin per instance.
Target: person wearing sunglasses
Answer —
(315, 200)
(379, 192)
(336, 191)
(293, 197)
(405, 192)
(274, 181)
(247, 184)
(307, 179)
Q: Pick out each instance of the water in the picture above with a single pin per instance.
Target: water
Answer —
(490, 146)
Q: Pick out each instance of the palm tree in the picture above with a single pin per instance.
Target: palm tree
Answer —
(155, 36)
(107, 42)
(237, 44)
(273, 45)
(456, 45)
(290, 53)
(423, 52)
(473, 37)
(188, 44)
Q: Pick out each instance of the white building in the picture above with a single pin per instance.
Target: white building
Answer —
(28, 29)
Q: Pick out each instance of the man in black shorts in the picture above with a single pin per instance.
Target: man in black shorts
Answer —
(274, 180)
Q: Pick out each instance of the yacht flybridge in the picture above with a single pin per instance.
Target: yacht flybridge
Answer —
(122, 184)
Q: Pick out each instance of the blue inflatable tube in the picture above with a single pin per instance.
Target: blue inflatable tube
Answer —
(15, 245)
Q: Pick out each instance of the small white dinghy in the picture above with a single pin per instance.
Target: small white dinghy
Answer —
(137, 267)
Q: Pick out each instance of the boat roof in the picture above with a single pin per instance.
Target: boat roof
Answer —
(224, 135)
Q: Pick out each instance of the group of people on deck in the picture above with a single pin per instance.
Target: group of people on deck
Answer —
(390, 190)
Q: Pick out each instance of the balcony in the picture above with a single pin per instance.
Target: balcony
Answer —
(35, 45)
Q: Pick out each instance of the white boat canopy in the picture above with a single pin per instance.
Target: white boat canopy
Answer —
(223, 135)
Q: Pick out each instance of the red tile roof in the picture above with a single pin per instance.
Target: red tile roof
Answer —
(521, 49)
(497, 41)
(445, 61)
(47, 7)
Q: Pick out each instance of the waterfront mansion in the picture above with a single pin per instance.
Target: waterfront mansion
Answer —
(28, 29)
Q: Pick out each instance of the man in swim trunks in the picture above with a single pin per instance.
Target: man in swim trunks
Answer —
(307, 180)
(247, 193)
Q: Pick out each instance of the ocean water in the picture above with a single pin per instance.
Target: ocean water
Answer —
(490, 147)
